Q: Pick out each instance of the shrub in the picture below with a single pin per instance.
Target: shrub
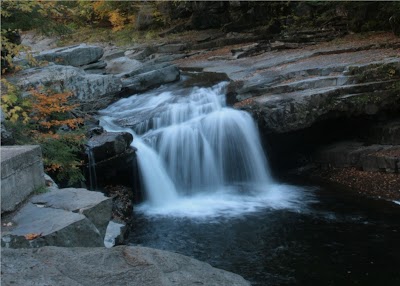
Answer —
(51, 124)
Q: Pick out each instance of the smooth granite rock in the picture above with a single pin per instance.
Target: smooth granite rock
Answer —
(60, 78)
(121, 265)
(61, 217)
(78, 55)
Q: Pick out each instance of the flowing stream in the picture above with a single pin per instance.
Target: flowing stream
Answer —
(209, 195)
(196, 155)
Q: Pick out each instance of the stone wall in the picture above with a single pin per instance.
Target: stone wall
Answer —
(21, 173)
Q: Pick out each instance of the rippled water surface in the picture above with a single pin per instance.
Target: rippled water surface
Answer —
(209, 194)
(310, 236)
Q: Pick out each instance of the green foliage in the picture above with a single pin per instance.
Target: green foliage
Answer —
(48, 17)
(61, 156)
(13, 105)
(40, 190)
(45, 118)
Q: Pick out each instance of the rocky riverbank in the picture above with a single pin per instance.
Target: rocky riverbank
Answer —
(120, 265)
(305, 95)
(308, 98)
(39, 228)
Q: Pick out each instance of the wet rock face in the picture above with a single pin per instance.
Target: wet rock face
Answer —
(122, 202)
(111, 160)
(109, 144)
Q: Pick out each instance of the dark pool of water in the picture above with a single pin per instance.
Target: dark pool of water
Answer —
(336, 239)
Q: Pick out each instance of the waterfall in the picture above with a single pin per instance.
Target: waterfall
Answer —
(155, 180)
(92, 169)
(189, 142)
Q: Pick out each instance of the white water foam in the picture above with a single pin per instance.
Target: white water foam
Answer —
(194, 153)
(229, 202)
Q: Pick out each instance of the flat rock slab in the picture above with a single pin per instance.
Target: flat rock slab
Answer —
(78, 55)
(94, 205)
(151, 79)
(60, 78)
(122, 65)
(52, 226)
(122, 265)
(21, 173)
(64, 217)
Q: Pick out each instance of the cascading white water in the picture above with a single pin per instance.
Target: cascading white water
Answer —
(92, 169)
(154, 176)
(190, 143)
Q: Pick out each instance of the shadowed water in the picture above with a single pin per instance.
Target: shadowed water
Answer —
(317, 237)
(210, 196)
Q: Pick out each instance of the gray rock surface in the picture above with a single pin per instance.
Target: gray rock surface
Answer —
(109, 144)
(21, 173)
(53, 227)
(62, 217)
(110, 159)
(84, 86)
(291, 89)
(151, 79)
(78, 55)
(95, 66)
(356, 154)
(140, 54)
(94, 205)
(171, 48)
(122, 65)
(114, 234)
(121, 265)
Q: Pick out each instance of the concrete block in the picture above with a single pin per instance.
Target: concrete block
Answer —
(21, 173)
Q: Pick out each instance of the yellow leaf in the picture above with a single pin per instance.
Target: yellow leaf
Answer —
(14, 118)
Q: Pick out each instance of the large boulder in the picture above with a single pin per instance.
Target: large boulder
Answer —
(150, 79)
(122, 65)
(60, 78)
(76, 56)
(62, 217)
(94, 205)
(109, 144)
(302, 94)
(111, 160)
(121, 265)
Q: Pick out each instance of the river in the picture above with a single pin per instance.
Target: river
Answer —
(210, 195)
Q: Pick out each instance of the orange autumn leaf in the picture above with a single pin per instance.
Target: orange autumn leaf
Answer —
(32, 236)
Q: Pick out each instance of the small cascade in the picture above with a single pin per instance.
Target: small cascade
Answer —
(189, 142)
(154, 178)
(92, 169)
